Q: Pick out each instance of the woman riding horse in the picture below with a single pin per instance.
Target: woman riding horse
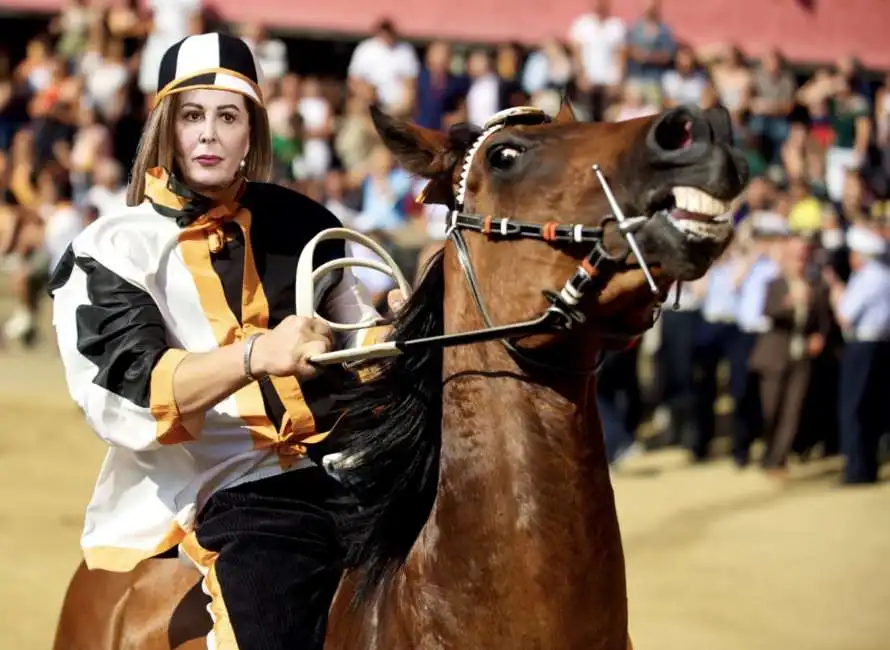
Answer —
(174, 322)
(474, 448)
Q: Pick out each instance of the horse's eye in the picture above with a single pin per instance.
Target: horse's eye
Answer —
(503, 157)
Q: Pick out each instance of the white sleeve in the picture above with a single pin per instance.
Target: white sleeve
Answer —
(411, 64)
(577, 31)
(350, 302)
(118, 365)
(357, 64)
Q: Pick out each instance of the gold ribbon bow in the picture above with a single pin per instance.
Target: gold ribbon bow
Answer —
(212, 224)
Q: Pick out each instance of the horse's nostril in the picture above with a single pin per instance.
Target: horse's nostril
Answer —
(674, 132)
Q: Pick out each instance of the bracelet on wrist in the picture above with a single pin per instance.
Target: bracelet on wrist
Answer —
(248, 351)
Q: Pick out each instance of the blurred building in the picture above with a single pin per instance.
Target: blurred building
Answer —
(804, 30)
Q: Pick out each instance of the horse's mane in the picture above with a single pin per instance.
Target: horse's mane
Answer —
(390, 437)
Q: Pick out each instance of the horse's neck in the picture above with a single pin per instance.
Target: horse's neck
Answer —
(524, 524)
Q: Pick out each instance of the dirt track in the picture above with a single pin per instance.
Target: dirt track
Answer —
(717, 559)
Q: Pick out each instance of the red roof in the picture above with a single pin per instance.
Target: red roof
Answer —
(804, 30)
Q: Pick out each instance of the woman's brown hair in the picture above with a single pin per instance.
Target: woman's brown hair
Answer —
(157, 146)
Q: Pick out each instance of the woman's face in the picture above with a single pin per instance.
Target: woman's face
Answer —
(212, 137)
(685, 62)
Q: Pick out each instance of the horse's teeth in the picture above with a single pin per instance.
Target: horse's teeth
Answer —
(700, 229)
(694, 200)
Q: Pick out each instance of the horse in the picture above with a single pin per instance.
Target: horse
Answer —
(488, 518)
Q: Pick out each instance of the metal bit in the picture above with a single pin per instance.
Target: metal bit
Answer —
(621, 219)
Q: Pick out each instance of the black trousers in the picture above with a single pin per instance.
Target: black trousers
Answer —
(714, 342)
(745, 389)
(619, 400)
(676, 362)
(863, 407)
(271, 559)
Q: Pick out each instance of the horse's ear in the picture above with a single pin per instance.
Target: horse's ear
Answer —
(566, 114)
(418, 150)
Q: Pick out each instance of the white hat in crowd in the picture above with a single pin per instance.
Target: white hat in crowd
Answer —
(865, 241)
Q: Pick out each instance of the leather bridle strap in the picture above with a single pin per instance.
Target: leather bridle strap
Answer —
(510, 228)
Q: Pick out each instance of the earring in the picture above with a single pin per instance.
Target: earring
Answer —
(243, 164)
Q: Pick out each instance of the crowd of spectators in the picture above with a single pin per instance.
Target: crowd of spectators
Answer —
(71, 111)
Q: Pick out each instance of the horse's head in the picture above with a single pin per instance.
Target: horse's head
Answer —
(675, 172)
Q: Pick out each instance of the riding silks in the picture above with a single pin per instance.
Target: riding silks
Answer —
(138, 291)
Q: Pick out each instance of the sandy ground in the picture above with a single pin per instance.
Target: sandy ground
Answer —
(717, 559)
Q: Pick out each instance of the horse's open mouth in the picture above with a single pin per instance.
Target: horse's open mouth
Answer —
(687, 230)
(695, 214)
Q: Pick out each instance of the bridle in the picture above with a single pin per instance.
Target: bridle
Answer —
(593, 272)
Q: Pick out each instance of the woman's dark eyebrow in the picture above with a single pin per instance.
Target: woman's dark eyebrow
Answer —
(219, 108)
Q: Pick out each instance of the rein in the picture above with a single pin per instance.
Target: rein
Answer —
(592, 273)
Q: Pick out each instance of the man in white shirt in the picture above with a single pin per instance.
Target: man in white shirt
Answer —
(597, 40)
(108, 195)
(271, 53)
(684, 83)
(388, 66)
(483, 98)
(172, 20)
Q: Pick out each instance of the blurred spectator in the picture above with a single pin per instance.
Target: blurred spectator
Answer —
(49, 197)
(804, 209)
(285, 104)
(38, 69)
(715, 341)
(685, 83)
(8, 212)
(484, 95)
(882, 119)
(597, 41)
(847, 69)
(438, 88)
(22, 170)
(733, 81)
(507, 68)
(108, 192)
(803, 158)
(851, 123)
(355, 137)
(106, 78)
(633, 104)
(271, 53)
(288, 150)
(862, 308)
(619, 404)
(797, 305)
(547, 68)
(676, 359)
(53, 113)
(318, 127)
(72, 28)
(772, 102)
(92, 142)
(850, 208)
(171, 21)
(650, 49)
(62, 220)
(814, 97)
(759, 266)
(13, 104)
(129, 23)
(384, 194)
(342, 202)
(385, 67)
